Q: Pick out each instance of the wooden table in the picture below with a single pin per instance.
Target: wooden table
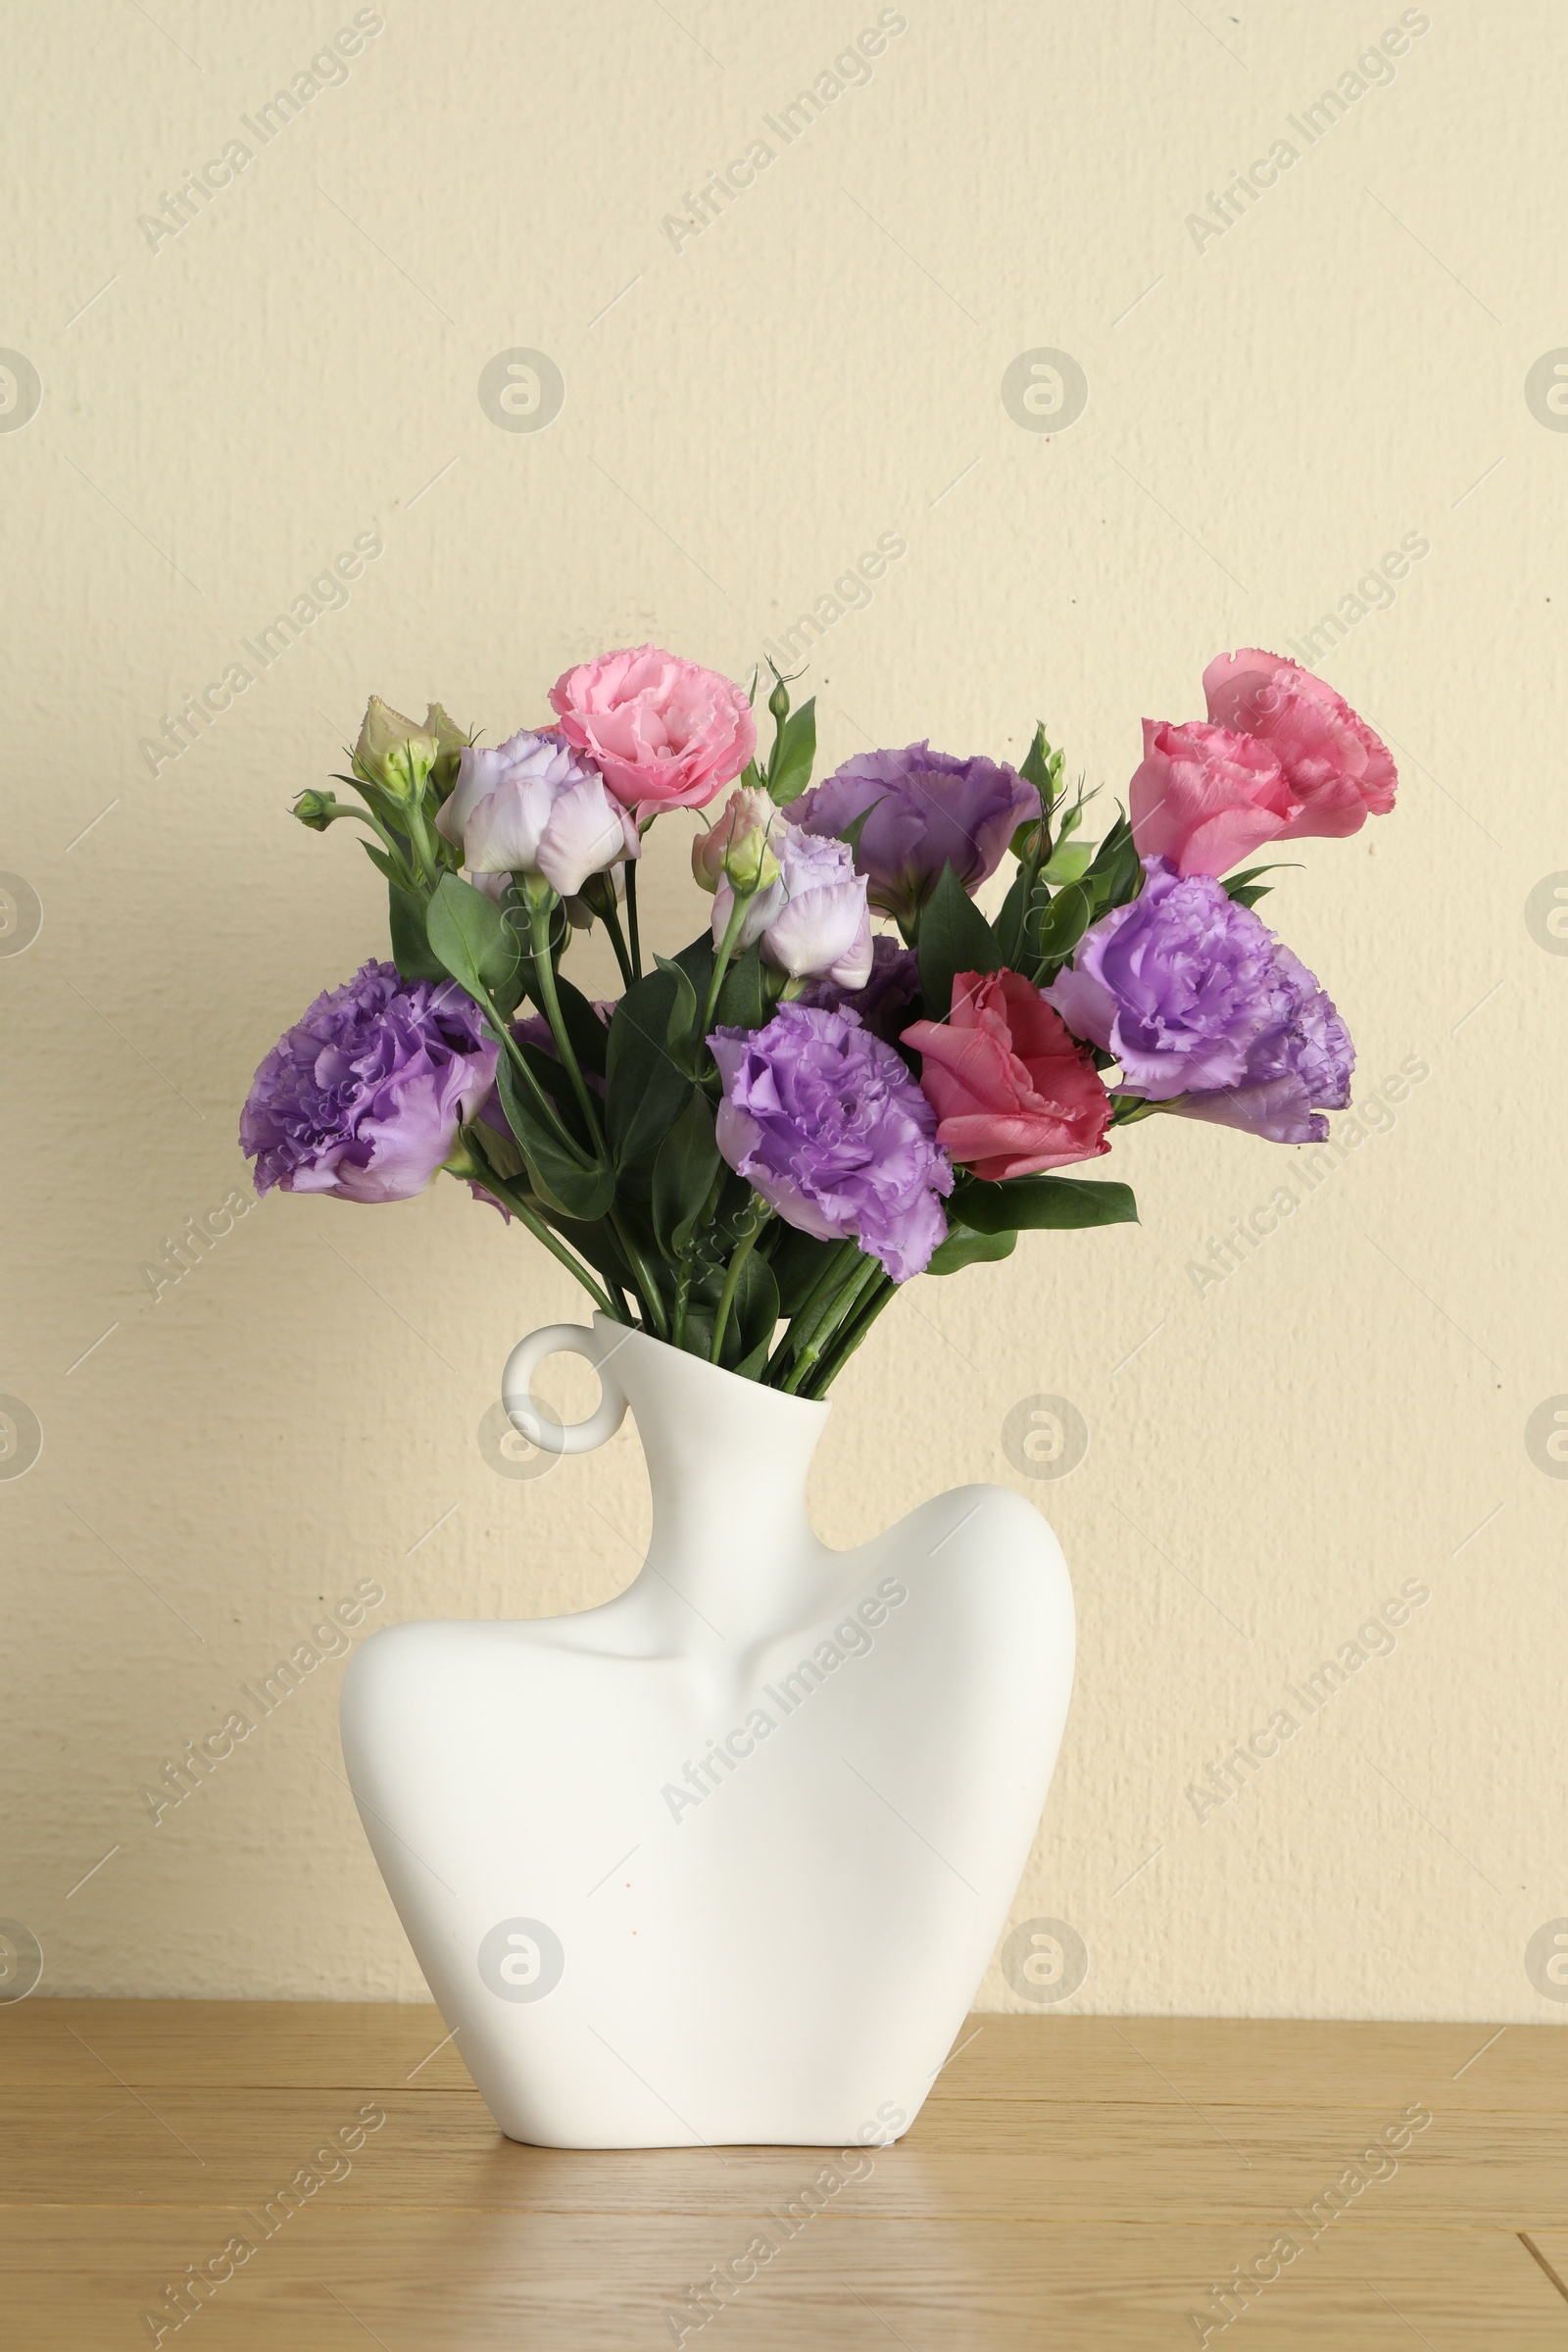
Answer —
(1072, 2181)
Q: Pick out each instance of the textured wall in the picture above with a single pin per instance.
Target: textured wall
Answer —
(1272, 407)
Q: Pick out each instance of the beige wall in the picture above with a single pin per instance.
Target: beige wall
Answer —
(1270, 410)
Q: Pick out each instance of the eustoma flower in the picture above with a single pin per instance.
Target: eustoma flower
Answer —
(928, 810)
(884, 999)
(1195, 998)
(364, 1097)
(1282, 757)
(664, 733)
(532, 807)
(825, 1121)
(1013, 1091)
(811, 918)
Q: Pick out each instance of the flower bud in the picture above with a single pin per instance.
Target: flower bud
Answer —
(450, 744)
(394, 751)
(735, 846)
(778, 703)
(315, 809)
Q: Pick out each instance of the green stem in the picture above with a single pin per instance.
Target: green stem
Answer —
(726, 947)
(544, 980)
(389, 841)
(683, 1292)
(648, 1291)
(841, 1308)
(617, 939)
(851, 1336)
(505, 1190)
(514, 1053)
(1137, 1108)
(810, 1312)
(731, 1281)
(631, 919)
(427, 858)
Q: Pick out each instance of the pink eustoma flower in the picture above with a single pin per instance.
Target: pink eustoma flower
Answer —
(664, 733)
(1013, 1091)
(1281, 757)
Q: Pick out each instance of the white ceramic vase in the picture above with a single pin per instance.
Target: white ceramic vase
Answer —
(724, 1859)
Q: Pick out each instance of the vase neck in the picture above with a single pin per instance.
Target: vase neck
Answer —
(728, 1463)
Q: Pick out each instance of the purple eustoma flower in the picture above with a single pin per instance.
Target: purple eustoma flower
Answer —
(928, 810)
(1197, 999)
(364, 1096)
(1293, 1072)
(883, 1003)
(825, 1121)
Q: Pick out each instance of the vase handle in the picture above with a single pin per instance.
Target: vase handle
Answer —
(554, 1437)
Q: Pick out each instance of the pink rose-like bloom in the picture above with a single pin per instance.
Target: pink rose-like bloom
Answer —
(1282, 758)
(1340, 772)
(1013, 1091)
(1204, 798)
(662, 732)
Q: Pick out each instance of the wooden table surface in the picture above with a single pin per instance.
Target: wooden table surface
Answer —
(1072, 2181)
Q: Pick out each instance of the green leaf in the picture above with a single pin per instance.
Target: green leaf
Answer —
(563, 1180)
(753, 1314)
(410, 950)
(680, 1034)
(799, 1260)
(586, 1033)
(645, 1086)
(964, 1247)
(742, 999)
(1115, 874)
(1070, 860)
(472, 939)
(1009, 926)
(1247, 890)
(1062, 924)
(793, 754)
(1036, 1202)
(380, 860)
(954, 937)
(683, 1175)
(1040, 766)
(857, 824)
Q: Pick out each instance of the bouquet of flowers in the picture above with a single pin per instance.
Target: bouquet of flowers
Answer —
(849, 1076)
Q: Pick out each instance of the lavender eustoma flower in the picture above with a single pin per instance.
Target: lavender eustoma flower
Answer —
(533, 805)
(824, 1120)
(813, 919)
(1196, 998)
(364, 1097)
(928, 810)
